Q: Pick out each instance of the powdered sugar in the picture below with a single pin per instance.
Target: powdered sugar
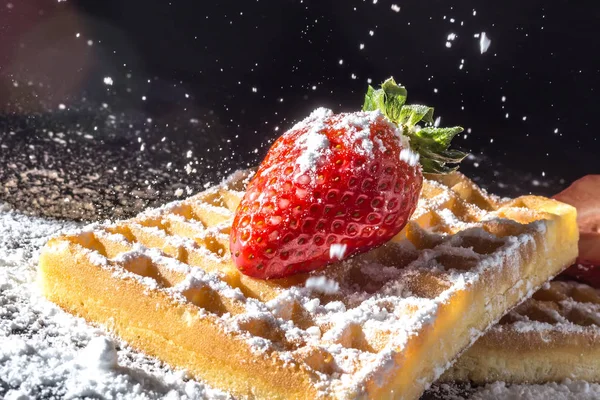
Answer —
(337, 251)
(315, 144)
(359, 124)
(323, 285)
(47, 353)
(568, 390)
(409, 157)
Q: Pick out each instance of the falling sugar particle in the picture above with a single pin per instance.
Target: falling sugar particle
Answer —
(187, 96)
(321, 284)
(77, 34)
(503, 99)
(437, 122)
(144, 98)
(395, 8)
(371, 33)
(452, 36)
(556, 130)
(353, 76)
(314, 88)
(254, 90)
(484, 43)
(337, 250)
(361, 46)
(506, 116)
(341, 62)
(108, 80)
(90, 42)
(435, 90)
(448, 44)
(524, 118)
(543, 173)
(61, 106)
(474, 12)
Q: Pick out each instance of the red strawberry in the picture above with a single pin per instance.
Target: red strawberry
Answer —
(337, 185)
(584, 194)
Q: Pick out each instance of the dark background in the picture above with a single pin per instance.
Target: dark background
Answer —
(202, 87)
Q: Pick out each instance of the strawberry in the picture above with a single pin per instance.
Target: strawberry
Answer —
(336, 185)
(584, 194)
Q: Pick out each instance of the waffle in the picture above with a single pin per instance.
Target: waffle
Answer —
(384, 324)
(553, 336)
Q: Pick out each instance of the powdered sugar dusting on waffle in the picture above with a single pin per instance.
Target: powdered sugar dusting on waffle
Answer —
(347, 323)
(560, 306)
(46, 353)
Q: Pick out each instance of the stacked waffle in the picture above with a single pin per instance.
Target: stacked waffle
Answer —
(553, 336)
(556, 334)
(384, 324)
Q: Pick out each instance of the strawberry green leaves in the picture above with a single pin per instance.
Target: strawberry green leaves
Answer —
(432, 143)
(411, 115)
(389, 99)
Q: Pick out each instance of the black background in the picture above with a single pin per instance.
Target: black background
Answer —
(222, 79)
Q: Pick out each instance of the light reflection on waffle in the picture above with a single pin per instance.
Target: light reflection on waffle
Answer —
(386, 322)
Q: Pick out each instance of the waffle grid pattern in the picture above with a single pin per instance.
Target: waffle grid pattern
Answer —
(340, 329)
(560, 305)
(553, 336)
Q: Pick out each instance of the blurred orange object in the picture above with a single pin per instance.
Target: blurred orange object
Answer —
(584, 194)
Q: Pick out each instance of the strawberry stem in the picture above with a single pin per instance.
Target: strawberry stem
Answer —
(430, 142)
